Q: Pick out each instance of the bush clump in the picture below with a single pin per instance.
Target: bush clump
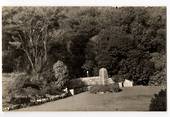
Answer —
(159, 101)
(56, 75)
(51, 90)
(105, 88)
(25, 88)
(158, 78)
(22, 89)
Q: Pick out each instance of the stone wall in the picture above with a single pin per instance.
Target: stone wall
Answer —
(80, 82)
(102, 79)
(87, 81)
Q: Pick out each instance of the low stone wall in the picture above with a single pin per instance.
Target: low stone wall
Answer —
(87, 81)
(80, 82)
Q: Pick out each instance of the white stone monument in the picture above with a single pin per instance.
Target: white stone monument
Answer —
(103, 75)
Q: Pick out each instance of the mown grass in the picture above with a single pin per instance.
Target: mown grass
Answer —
(129, 99)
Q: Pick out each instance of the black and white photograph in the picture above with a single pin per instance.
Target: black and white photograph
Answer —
(84, 58)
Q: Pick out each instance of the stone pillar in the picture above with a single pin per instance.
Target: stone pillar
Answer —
(103, 75)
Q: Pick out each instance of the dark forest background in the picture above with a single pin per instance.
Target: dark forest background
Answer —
(129, 41)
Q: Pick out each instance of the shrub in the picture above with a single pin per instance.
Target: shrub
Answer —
(22, 89)
(56, 74)
(17, 83)
(105, 88)
(159, 101)
(26, 87)
(20, 100)
(51, 89)
(61, 74)
(158, 78)
(31, 92)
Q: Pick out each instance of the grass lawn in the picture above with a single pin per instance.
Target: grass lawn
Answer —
(130, 99)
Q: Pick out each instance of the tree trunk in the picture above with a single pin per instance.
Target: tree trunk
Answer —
(29, 59)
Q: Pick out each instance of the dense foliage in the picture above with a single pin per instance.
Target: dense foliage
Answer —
(159, 101)
(123, 40)
(105, 88)
(25, 88)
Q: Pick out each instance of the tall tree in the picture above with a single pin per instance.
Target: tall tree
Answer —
(29, 29)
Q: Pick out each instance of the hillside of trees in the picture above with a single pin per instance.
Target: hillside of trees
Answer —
(129, 41)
